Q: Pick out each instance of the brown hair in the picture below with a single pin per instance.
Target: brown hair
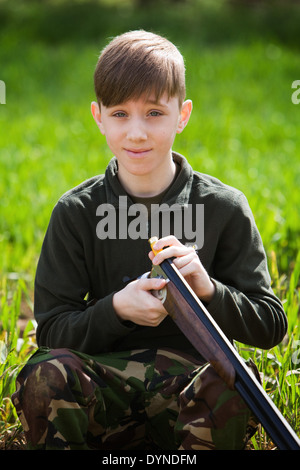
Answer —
(136, 63)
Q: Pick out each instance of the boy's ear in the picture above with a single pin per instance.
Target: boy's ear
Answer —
(185, 114)
(97, 116)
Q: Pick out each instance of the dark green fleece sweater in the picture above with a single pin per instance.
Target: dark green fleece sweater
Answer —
(76, 265)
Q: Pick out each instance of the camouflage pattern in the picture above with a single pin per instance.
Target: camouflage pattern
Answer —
(145, 399)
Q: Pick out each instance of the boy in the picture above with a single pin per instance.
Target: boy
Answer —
(113, 371)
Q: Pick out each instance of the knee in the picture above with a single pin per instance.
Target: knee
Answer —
(38, 379)
(212, 415)
(52, 374)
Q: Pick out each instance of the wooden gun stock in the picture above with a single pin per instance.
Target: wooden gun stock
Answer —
(196, 323)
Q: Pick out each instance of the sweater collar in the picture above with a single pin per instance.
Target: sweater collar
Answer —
(178, 193)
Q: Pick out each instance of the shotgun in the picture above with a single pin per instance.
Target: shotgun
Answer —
(196, 323)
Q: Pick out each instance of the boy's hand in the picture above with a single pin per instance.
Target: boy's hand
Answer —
(136, 303)
(188, 263)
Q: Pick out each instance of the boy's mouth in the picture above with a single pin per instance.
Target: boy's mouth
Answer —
(137, 152)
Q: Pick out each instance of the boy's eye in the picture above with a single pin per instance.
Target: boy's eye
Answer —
(119, 114)
(155, 113)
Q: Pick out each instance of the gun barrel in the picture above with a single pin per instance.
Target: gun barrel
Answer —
(186, 309)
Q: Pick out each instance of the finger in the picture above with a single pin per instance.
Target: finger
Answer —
(170, 240)
(190, 258)
(159, 246)
(152, 283)
(172, 252)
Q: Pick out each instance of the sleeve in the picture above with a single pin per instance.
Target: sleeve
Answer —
(244, 304)
(64, 318)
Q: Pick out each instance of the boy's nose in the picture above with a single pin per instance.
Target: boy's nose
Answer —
(136, 132)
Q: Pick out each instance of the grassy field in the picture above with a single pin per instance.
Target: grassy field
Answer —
(244, 129)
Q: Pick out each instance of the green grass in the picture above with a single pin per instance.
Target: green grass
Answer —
(244, 130)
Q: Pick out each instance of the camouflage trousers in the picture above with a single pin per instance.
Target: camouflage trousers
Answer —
(142, 399)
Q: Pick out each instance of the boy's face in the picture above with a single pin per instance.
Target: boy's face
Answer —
(141, 132)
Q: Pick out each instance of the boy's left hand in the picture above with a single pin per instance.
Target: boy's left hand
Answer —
(188, 263)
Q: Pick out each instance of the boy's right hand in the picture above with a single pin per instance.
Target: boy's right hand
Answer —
(137, 304)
